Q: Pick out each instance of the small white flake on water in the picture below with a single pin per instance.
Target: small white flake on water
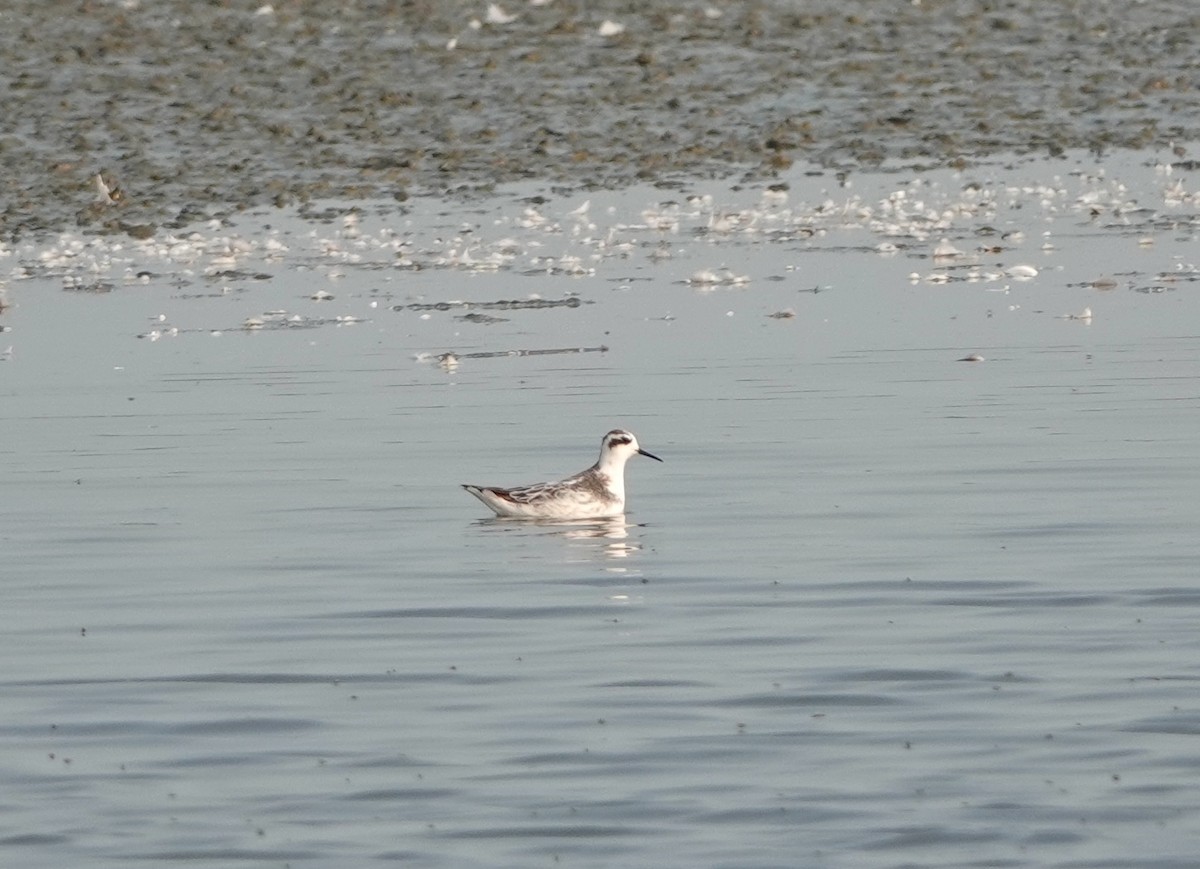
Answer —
(945, 250)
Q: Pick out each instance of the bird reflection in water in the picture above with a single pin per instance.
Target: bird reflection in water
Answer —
(612, 534)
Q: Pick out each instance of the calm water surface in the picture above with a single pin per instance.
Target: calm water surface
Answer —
(878, 607)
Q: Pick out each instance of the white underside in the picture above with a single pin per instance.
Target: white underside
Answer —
(565, 505)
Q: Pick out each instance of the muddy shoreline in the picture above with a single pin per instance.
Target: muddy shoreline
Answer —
(198, 110)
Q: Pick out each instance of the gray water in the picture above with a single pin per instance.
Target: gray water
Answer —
(879, 607)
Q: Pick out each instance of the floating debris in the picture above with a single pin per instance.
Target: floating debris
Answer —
(543, 235)
(238, 275)
(76, 284)
(277, 320)
(156, 334)
(500, 305)
(717, 278)
(946, 250)
(546, 352)
(497, 354)
(1085, 315)
(565, 265)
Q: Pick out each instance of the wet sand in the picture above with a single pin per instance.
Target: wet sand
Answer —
(195, 111)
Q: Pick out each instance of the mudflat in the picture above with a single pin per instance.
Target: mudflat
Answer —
(199, 110)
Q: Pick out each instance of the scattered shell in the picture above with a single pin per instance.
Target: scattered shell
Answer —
(496, 15)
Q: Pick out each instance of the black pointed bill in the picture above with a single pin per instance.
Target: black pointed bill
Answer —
(649, 455)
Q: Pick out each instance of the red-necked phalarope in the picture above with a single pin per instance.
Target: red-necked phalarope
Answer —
(596, 493)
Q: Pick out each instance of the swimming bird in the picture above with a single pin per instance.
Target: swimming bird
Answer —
(596, 493)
